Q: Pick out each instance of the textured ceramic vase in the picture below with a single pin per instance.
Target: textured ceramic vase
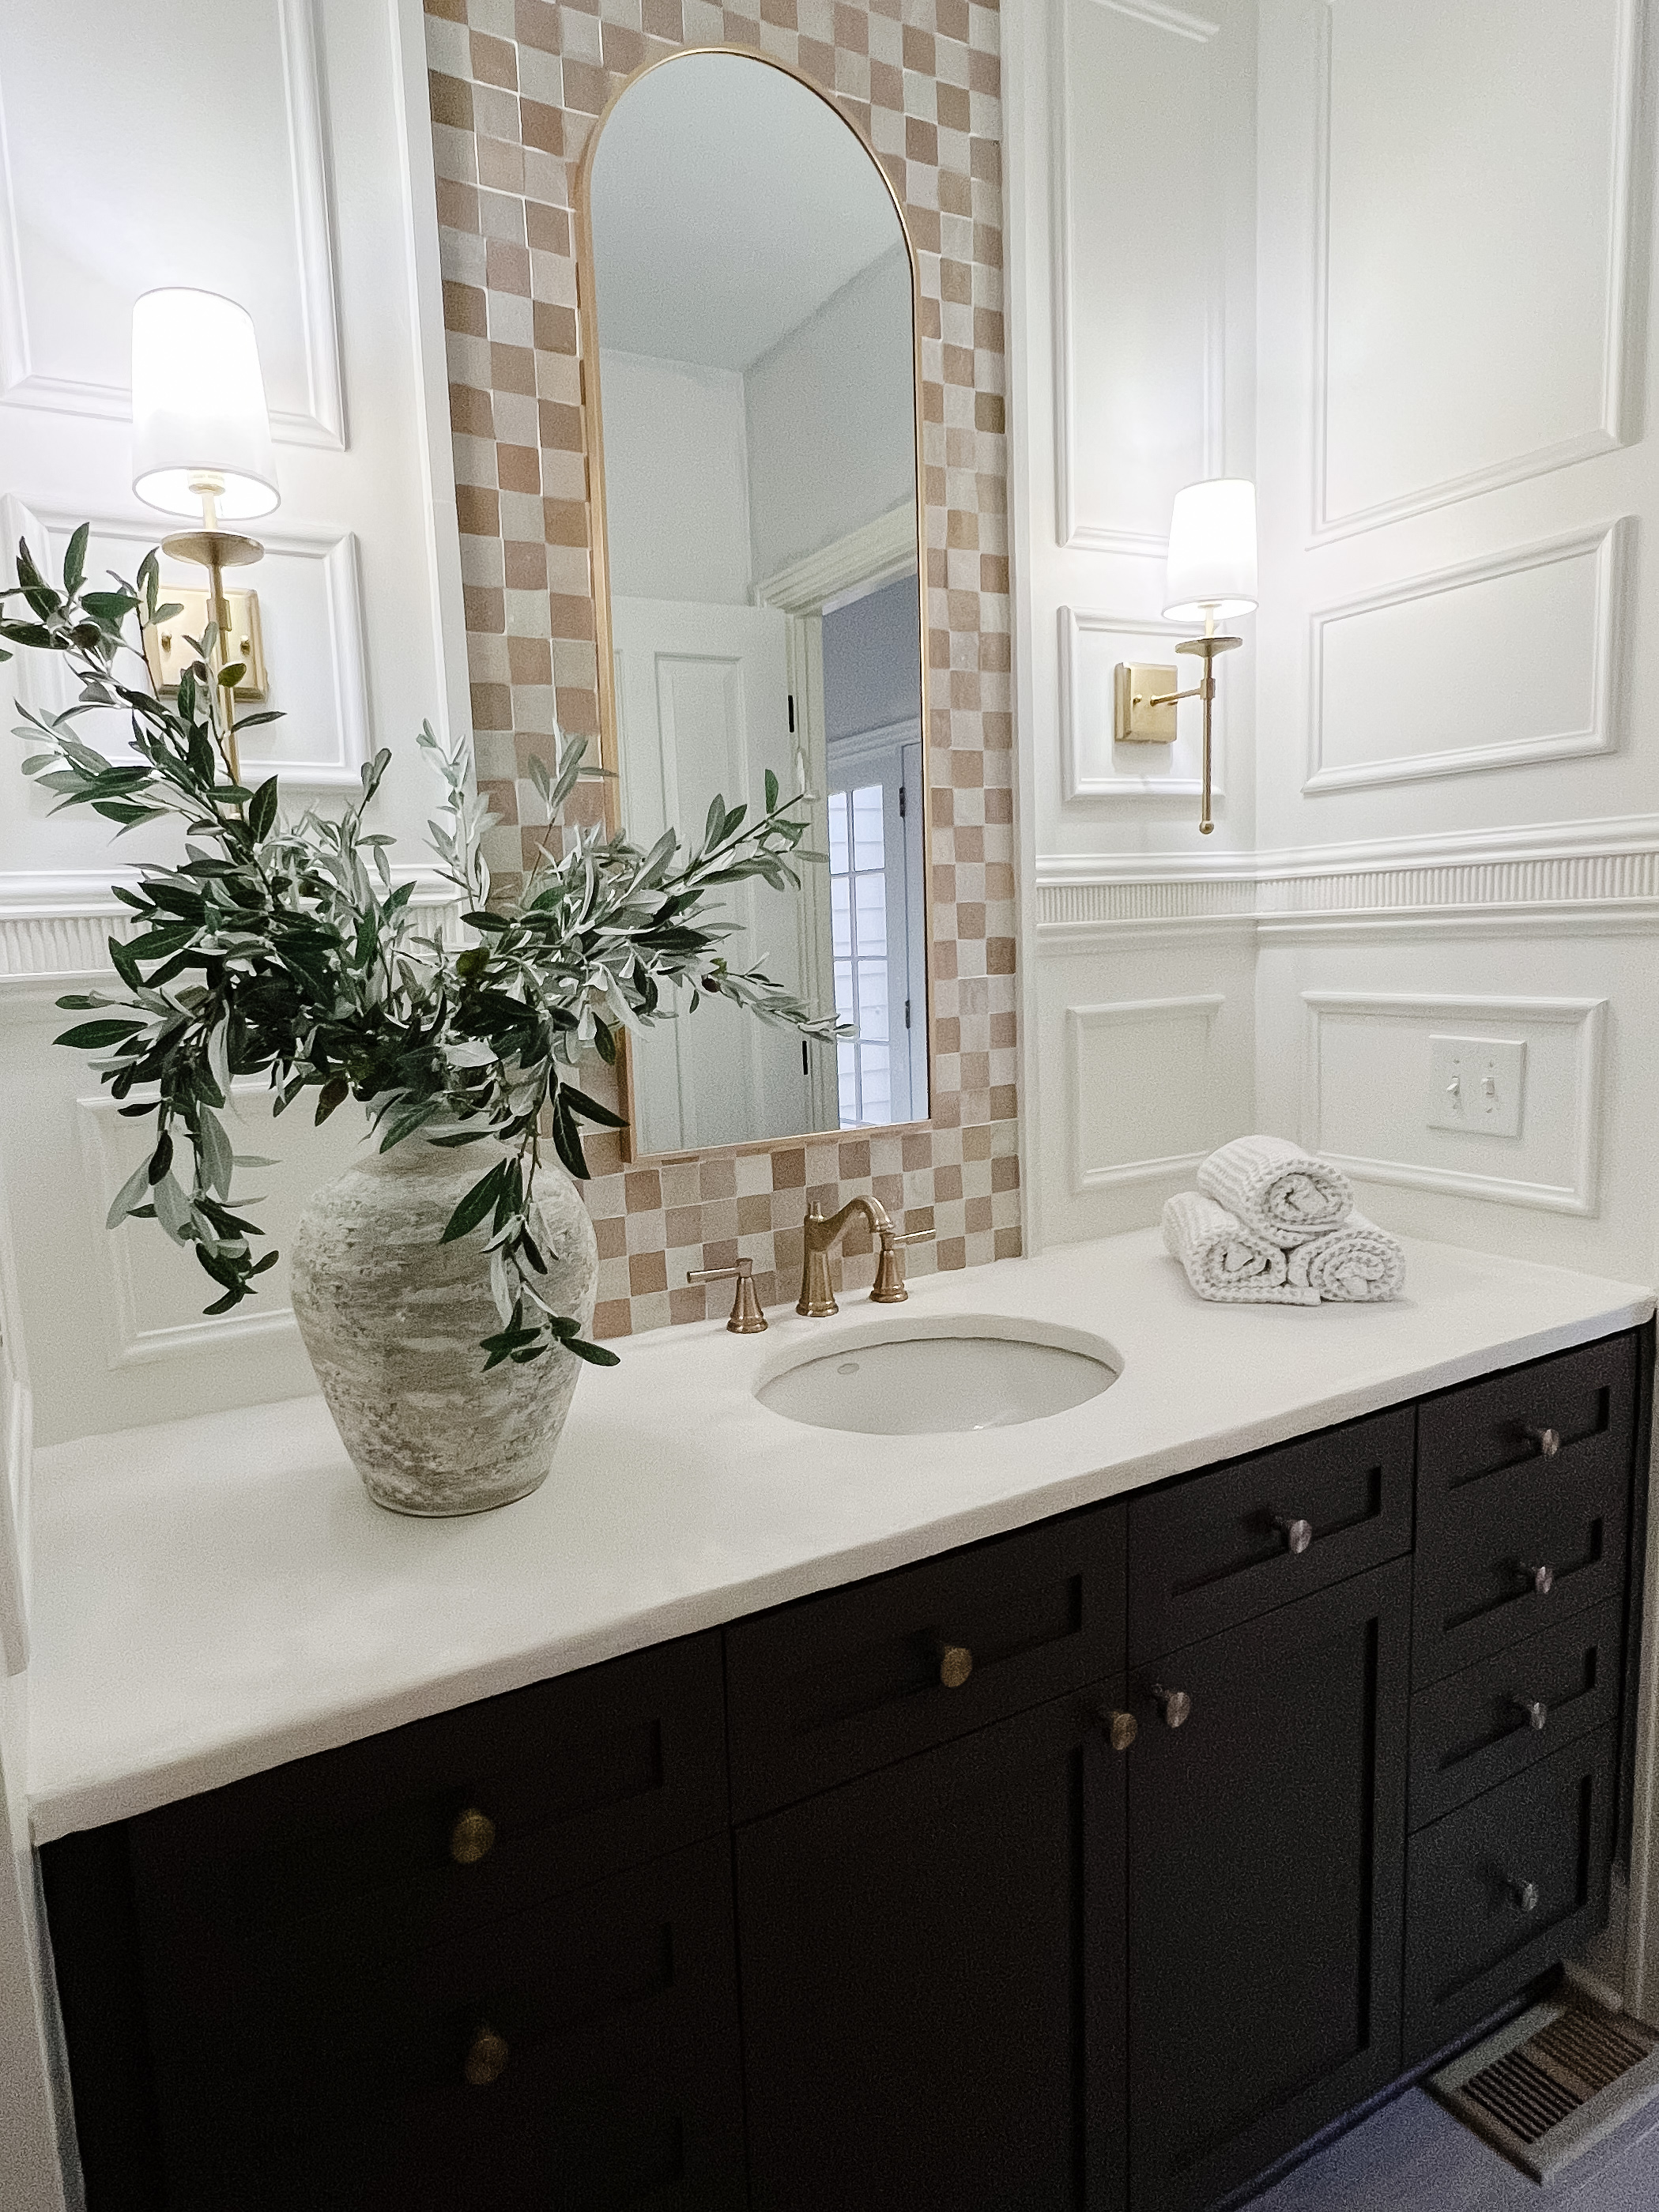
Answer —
(393, 1320)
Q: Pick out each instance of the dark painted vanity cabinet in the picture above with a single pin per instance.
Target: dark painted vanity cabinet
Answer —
(1097, 1865)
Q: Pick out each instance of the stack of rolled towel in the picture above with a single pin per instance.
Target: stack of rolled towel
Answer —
(1270, 1225)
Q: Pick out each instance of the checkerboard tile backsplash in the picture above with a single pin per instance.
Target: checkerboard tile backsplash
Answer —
(517, 85)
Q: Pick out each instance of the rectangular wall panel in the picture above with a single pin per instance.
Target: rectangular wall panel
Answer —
(1142, 1088)
(1494, 663)
(1475, 217)
(1368, 1086)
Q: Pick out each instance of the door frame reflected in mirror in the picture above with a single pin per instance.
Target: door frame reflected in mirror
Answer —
(792, 591)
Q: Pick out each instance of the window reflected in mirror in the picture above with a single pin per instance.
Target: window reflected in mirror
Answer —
(754, 422)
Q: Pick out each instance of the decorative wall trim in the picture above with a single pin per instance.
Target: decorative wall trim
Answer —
(1619, 339)
(1070, 528)
(1610, 544)
(334, 550)
(1114, 1014)
(1075, 625)
(1586, 1016)
(322, 422)
(1592, 877)
(16, 1476)
(864, 558)
(54, 928)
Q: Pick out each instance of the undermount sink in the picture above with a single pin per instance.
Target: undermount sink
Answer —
(940, 1376)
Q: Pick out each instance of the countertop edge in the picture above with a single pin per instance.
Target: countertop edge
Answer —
(92, 1802)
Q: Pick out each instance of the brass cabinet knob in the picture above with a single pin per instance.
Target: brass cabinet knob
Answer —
(1525, 1894)
(1175, 1705)
(472, 1837)
(1122, 1728)
(1536, 1711)
(955, 1664)
(486, 2057)
(1298, 1534)
(1548, 1442)
(1541, 1578)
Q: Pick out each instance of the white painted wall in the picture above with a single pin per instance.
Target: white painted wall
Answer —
(1449, 823)
(832, 419)
(298, 176)
(675, 480)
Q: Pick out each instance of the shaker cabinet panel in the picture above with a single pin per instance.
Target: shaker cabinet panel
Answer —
(933, 1979)
(1223, 1546)
(1267, 1832)
(840, 1685)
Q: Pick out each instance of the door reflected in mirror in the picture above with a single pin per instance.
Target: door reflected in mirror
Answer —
(753, 420)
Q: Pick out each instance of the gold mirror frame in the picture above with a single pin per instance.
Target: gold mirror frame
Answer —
(600, 565)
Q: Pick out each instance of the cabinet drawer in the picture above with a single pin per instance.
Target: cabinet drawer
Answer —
(1493, 1503)
(610, 2063)
(1472, 1941)
(1217, 1549)
(576, 1777)
(1478, 1587)
(1476, 1730)
(836, 1686)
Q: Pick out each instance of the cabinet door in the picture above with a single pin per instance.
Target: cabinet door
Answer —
(932, 1970)
(1267, 1838)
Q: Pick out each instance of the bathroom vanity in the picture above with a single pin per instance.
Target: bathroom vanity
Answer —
(1098, 1857)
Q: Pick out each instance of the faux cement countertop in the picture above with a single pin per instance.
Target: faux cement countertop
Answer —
(215, 1596)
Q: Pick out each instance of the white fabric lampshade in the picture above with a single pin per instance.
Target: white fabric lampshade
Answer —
(1212, 551)
(198, 405)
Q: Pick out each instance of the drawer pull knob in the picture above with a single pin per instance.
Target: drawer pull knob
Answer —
(955, 1664)
(486, 2057)
(1122, 1728)
(1298, 1534)
(472, 1838)
(1175, 1705)
(1541, 1578)
(1536, 1711)
(1548, 1442)
(1525, 1894)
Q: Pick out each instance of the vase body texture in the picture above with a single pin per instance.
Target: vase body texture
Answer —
(394, 1319)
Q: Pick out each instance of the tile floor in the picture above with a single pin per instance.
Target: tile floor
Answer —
(1412, 2156)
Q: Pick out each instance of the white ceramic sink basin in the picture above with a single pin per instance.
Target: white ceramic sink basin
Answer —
(940, 1376)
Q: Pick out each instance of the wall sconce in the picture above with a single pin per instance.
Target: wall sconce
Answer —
(1211, 577)
(201, 442)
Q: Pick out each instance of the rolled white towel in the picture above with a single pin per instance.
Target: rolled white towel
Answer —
(1225, 1260)
(1358, 1264)
(1276, 1190)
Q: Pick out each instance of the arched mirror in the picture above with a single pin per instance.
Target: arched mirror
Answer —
(753, 428)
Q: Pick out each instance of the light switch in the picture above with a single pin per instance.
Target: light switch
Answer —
(1476, 1084)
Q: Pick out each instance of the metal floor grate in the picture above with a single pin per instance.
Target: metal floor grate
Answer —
(1552, 2082)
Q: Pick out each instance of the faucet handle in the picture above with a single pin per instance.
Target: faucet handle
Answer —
(890, 1289)
(747, 1319)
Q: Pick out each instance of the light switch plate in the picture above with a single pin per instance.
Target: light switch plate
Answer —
(1477, 1084)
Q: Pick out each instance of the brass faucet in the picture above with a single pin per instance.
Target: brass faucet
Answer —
(820, 1236)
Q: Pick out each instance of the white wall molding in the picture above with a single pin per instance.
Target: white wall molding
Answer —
(322, 422)
(1607, 544)
(1163, 1103)
(865, 559)
(1072, 527)
(1080, 783)
(1586, 1017)
(1598, 878)
(55, 929)
(1620, 338)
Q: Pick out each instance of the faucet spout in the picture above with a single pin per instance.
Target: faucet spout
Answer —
(820, 1238)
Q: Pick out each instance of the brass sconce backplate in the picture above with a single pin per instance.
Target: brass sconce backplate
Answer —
(1135, 720)
(168, 654)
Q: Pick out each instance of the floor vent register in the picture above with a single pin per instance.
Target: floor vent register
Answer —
(1551, 2083)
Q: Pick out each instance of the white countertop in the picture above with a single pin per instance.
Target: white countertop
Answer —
(216, 1595)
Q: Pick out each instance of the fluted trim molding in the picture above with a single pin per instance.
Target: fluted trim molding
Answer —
(1601, 877)
(56, 927)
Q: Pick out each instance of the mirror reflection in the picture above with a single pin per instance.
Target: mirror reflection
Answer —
(757, 419)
